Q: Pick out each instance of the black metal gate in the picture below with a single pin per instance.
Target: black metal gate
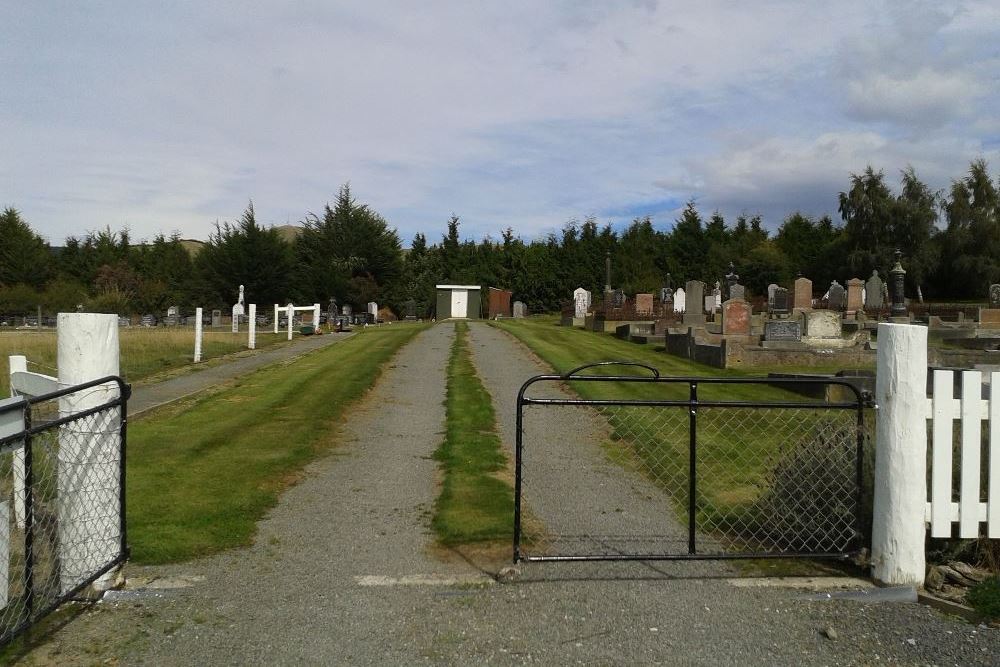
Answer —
(643, 467)
(62, 497)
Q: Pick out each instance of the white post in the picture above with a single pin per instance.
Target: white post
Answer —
(315, 316)
(291, 316)
(18, 364)
(276, 311)
(197, 335)
(252, 325)
(900, 455)
(89, 449)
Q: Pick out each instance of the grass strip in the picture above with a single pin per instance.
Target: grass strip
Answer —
(201, 473)
(475, 504)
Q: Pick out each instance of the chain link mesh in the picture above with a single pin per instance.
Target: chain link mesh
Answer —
(767, 480)
(71, 521)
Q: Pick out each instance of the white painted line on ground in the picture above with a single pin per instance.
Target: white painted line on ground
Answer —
(810, 583)
(425, 580)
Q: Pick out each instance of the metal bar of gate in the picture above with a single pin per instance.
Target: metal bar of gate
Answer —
(692, 468)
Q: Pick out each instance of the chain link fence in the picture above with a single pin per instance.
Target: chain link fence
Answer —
(62, 497)
(684, 468)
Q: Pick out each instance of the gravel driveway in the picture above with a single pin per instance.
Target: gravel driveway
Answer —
(344, 571)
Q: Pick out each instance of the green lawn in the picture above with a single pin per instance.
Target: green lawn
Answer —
(202, 472)
(475, 504)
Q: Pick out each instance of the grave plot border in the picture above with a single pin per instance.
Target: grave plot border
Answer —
(856, 401)
(38, 440)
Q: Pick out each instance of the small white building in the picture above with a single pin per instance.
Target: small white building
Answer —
(459, 302)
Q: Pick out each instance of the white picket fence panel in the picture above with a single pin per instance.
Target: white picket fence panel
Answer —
(972, 410)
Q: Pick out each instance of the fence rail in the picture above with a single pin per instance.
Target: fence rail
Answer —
(978, 455)
(62, 471)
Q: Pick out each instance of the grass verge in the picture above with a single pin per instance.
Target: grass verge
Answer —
(144, 351)
(201, 473)
(475, 504)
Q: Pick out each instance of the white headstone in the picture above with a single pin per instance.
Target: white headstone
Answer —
(680, 300)
(581, 301)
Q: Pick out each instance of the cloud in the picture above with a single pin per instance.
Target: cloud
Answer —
(518, 114)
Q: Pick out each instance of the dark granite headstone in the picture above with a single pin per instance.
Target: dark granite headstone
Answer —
(782, 330)
(835, 300)
(995, 296)
(411, 309)
(666, 294)
(780, 302)
(618, 298)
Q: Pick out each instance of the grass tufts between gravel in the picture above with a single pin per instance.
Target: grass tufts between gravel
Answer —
(474, 505)
(201, 473)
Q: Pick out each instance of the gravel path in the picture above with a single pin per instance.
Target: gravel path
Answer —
(344, 572)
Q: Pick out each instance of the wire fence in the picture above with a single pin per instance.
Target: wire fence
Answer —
(651, 474)
(62, 497)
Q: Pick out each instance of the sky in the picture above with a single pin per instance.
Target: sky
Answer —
(169, 117)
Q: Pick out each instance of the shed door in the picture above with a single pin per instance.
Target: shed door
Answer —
(459, 303)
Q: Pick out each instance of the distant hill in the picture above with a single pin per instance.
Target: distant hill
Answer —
(289, 232)
(193, 246)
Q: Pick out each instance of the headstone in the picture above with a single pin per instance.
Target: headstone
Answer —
(854, 300)
(695, 291)
(803, 294)
(710, 304)
(666, 294)
(372, 309)
(216, 318)
(731, 279)
(618, 298)
(780, 302)
(737, 291)
(874, 292)
(680, 300)
(644, 303)
(173, 316)
(519, 309)
(782, 330)
(717, 295)
(770, 295)
(346, 309)
(989, 318)
(581, 302)
(411, 310)
(822, 324)
(835, 296)
(995, 295)
(332, 311)
(736, 318)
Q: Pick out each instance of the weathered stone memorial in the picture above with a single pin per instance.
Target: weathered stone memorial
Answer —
(874, 293)
(695, 298)
(989, 318)
(736, 318)
(666, 294)
(855, 301)
(238, 311)
(995, 295)
(173, 316)
(710, 304)
(618, 298)
(737, 291)
(822, 324)
(411, 310)
(803, 289)
(216, 318)
(520, 310)
(644, 304)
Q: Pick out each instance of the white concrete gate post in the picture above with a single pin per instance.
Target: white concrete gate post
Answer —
(900, 455)
(252, 336)
(197, 335)
(89, 449)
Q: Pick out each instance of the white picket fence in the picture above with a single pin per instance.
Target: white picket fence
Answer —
(972, 410)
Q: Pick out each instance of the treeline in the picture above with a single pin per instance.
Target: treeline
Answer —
(950, 243)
